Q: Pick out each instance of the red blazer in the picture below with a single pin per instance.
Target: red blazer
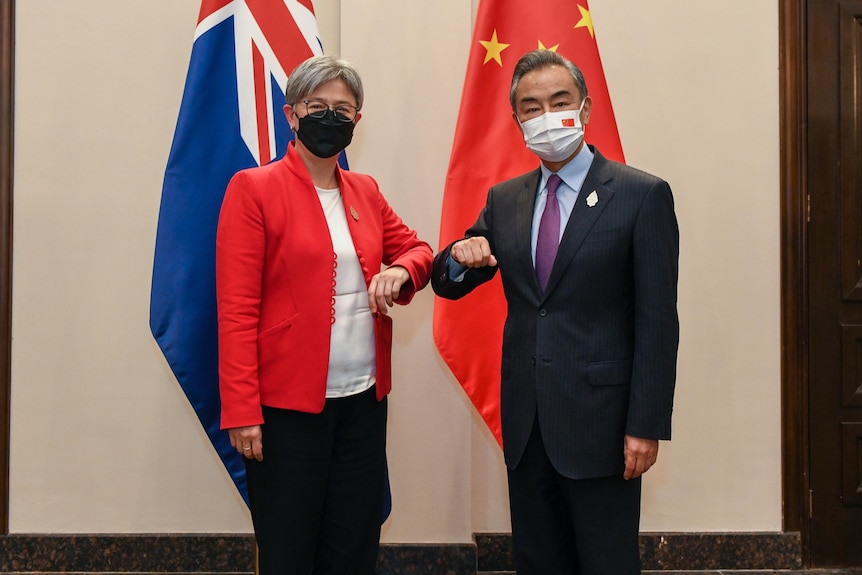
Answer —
(275, 275)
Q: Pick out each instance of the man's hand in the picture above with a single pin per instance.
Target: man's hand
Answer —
(248, 441)
(640, 454)
(473, 252)
(385, 288)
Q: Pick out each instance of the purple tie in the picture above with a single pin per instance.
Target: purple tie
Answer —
(549, 233)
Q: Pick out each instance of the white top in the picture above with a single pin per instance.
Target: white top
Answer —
(352, 362)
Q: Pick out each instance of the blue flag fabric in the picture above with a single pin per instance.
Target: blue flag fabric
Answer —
(207, 150)
(230, 119)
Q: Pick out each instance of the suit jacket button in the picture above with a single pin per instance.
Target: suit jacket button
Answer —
(533, 360)
(543, 312)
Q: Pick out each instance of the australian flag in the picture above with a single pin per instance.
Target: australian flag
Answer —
(230, 118)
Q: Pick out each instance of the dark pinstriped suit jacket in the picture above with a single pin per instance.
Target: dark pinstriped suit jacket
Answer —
(595, 355)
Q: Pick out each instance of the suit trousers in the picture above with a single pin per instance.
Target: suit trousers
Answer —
(566, 526)
(316, 498)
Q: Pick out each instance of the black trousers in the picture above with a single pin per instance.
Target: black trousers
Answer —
(564, 526)
(316, 497)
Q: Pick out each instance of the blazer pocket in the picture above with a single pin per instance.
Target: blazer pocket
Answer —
(610, 373)
(277, 328)
(617, 234)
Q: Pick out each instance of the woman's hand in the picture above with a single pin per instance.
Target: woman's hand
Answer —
(248, 441)
(385, 288)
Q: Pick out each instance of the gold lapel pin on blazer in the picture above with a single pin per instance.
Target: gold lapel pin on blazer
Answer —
(354, 213)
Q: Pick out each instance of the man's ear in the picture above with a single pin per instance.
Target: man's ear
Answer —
(585, 113)
(515, 117)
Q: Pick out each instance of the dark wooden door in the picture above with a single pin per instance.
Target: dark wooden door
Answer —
(834, 180)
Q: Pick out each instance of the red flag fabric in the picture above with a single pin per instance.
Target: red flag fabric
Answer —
(489, 148)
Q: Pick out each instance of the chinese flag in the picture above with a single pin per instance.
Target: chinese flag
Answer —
(488, 149)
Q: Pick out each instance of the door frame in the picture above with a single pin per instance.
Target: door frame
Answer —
(7, 126)
(793, 74)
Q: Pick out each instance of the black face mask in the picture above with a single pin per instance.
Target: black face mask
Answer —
(324, 137)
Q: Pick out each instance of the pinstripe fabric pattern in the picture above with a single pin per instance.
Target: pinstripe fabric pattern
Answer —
(595, 355)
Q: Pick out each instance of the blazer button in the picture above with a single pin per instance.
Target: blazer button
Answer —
(533, 360)
(543, 312)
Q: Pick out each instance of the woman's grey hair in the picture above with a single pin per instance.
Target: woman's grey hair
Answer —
(318, 70)
(538, 59)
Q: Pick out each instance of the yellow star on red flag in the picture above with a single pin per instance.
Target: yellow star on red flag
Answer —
(488, 148)
(551, 49)
(586, 21)
(493, 49)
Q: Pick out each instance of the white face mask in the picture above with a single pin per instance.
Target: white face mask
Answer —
(554, 136)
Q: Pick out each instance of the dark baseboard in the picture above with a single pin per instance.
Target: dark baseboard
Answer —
(221, 554)
(224, 554)
(127, 553)
(677, 551)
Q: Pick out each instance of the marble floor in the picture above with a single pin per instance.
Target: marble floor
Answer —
(853, 571)
(820, 571)
(761, 572)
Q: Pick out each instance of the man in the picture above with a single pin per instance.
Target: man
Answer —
(591, 336)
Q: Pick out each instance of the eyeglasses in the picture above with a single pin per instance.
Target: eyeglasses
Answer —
(343, 112)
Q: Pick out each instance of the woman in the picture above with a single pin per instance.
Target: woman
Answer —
(304, 335)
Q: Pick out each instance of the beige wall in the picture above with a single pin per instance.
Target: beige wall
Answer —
(103, 440)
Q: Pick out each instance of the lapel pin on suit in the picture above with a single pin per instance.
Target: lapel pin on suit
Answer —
(354, 213)
(592, 199)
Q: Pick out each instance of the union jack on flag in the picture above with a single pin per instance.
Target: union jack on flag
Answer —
(230, 119)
